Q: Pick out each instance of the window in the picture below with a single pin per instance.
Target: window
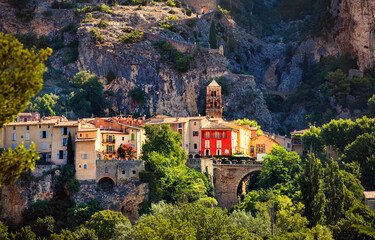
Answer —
(195, 123)
(224, 135)
(251, 149)
(226, 151)
(261, 148)
(180, 131)
(132, 136)
(218, 144)
(44, 145)
(288, 145)
(207, 135)
(40, 126)
(123, 138)
(195, 146)
(85, 156)
(14, 137)
(180, 125)
(110, 149)
(61, 154)
(134, 172)
(27, 136)
(80, 166)
(123, 171)
(14, 127)
(217, 135)
(195, 133)
(106, 170)
(50, 146)
(207, 152)
(14, 146)
(85, 166)
(65, 131)
(64, 142)
(207, 143)
(27, 146)
(218, 152)
(110, 138)
(27, 128)
(49, 126)
(43, 134)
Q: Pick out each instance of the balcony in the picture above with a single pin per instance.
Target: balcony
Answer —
(109, 141)
(213, 135)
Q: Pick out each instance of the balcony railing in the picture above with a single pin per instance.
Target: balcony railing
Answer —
(109, 152)
(213, 135)
(110, 141)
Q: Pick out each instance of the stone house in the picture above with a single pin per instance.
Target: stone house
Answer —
(260, 145)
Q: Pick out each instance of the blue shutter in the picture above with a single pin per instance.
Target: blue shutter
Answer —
(46, 134)
(41, 134)
(62, 142)
(62, 131)
(68, 130)
(64, 154)
(58, 154)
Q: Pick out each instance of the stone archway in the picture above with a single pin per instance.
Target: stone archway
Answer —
(106, 184)
(226, 181)
(250, 180)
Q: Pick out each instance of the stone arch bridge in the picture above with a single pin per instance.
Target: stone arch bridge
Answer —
(226, 180)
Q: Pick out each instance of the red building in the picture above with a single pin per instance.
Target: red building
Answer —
(218, 139)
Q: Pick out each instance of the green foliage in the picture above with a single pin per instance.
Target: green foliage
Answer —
(223, 82)
(46, 104)
(81, 213)
(44, 227)
(133, 36)
(192, 22)
(180, 61)
(188, 12)
(96, 36)
(312, 140)
(167, 25)
(371, 106)
(138, 95)
(110, 76)
(340, 85)
(101, 8)
(251, 123)
(212, 37)
(16, 161)
(103, 23)
(21, 75)
(172, 18)
(279, 167)
(103, 223)
(3, 231)
(24, 233)
(89, 97)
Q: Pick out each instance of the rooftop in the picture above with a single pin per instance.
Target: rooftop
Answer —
(369, 194)
(214, 126)
(214, 84)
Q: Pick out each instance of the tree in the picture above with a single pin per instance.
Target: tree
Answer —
(311, 186)
(103, 223)
(24, 234)
(13, 163)
(340, 86)
(312, 140)
(279, 167)
(371, 106)
(212, 37)
(69, 147)
(251, 123)
(21, 76)
(82, 77)
(45, 105)
(44, 227)
(81, 212)
(126, 150)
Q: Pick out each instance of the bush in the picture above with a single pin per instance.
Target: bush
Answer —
(110, 77)
(170, 3)
(70, 28)
(101, 8)
(192, 22)
(188, 12)
(95, 36)
(168, 26)
(137, 95)
(132, 37)
(103, 24)
(172, 11)
(88, 18)
(181, 62)
(25, 15)
(112, 3)
(172, 18)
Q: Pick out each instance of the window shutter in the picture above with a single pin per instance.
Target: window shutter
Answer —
(46, 134)
(58, 154)
(64, 154)
(41, 134)
(68, 130)
(62, 131)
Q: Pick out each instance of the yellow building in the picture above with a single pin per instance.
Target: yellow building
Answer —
(260, 145)
(244, 134)
(46, 134)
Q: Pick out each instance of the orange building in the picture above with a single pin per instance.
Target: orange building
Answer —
(260, 145)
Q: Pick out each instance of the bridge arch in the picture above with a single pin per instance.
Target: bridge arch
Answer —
(106, 184)
(244, 176)
(227, 179)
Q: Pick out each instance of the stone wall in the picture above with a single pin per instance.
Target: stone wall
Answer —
(126, 198)
(118, 170)
(201, 165)
(197, 5)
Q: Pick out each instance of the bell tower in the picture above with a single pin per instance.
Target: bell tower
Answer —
(213, 101)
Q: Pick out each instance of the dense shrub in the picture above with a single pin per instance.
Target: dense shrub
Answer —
(110, 77)
(95, 36)
(137, 95)
(132, 37)
(62, 5)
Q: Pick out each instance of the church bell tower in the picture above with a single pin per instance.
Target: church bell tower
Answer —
(213, 101)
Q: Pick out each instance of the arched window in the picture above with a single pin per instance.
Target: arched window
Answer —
(106, 170)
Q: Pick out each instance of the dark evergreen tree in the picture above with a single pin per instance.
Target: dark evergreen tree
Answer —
(70, 156)
(212, 37)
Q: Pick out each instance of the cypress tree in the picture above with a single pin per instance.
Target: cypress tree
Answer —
(70, 155)
(212, 37)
